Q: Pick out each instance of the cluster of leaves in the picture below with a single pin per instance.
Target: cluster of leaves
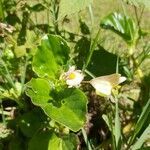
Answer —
(38, 110)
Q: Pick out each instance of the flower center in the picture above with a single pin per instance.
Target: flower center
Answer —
(72, 76)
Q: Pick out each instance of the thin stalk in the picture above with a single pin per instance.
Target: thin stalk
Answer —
(24, 75)
(89, 73)
(138, 18)
(141, 15)
(123, 8)
(117, 65)
(36, 20)
(136, 14)
(136, 66)
(92, 48)
(48, 16)
(134, 62)
(112, 134)
(7, 75)
(91, 15)
(117, 124)
(86, 140)
(55, 10)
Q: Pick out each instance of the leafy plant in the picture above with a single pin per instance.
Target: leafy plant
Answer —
(67, 83)
(123, 25)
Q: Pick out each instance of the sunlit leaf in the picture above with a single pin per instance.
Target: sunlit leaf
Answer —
(50, 56)
(67, 106)
(123, 25)
(38, 89)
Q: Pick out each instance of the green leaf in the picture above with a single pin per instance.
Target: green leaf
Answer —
(142, 139)
(68, 106)
(68, 7)
(123, 25)
(38, 89)
(48, 140)
(50, 56)
(31, 122)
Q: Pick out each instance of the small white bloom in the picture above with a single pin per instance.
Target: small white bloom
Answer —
(73, 77)
(104, 84)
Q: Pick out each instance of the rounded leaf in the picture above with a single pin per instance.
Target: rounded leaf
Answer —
(68, 106)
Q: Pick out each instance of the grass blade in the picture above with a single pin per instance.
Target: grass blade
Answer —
(117, 129)
(142, 119)
(142, 139)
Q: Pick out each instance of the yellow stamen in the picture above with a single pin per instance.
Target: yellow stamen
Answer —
(71, 76)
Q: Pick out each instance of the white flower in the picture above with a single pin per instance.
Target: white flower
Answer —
(73, 77)
(104, 84)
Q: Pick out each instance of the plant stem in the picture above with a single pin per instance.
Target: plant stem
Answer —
(89, 73)
(55, 9)
(91, 15)
(117, 65)
(86, 139)
(92, 48)
(135, 63)
(138, 70)
(123, 7)
(47, 12)
(112, 134)
(138, 18)
(24, 75)
(7, 75)
(36, 19)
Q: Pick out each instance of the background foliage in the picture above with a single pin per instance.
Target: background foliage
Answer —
(40, 40)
